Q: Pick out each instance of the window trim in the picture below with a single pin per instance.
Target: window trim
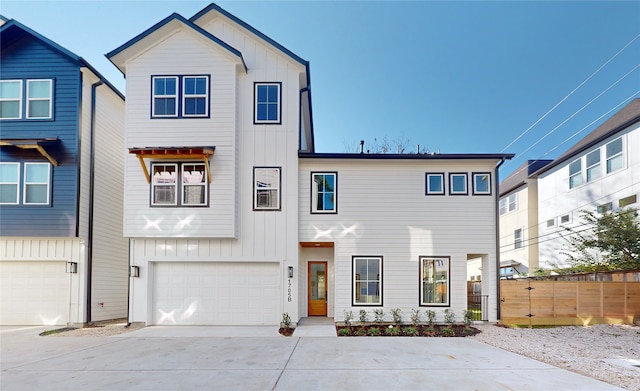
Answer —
(25, 183)
(19, 99)
(255, 190)
(427, 190)
(28, 99)
(518, 241)
(17, 183)
(577, 174)
(589, 168)
(314, 195)
(473, 180)
(569, 219)
(466, 183)
(421, 280)
(154, 96)
(611, 158)
(380, 280)
(184, 96)
(257, 121)
(179, 186)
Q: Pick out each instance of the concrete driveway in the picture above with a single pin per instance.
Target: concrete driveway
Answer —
(209, 358)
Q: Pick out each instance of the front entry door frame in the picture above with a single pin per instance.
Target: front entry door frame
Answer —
(317, 288)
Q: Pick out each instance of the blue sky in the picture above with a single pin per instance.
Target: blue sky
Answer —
(458, 77)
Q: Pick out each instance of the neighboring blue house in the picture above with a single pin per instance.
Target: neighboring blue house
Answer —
(62, 255)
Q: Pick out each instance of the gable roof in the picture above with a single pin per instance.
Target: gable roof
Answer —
(621, 120)
(213, 8)
(118, 55)
(518, 177)
(12, 30)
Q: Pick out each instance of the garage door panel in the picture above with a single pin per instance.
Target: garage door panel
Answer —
(216, 293)
(34, 293)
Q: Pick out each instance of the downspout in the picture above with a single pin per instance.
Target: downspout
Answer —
(92, 142)
(129, 290)
(497, 209)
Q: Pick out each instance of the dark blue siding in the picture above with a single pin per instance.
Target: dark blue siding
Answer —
(26, 57)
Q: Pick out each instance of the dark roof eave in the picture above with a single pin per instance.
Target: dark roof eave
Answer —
(395, 156)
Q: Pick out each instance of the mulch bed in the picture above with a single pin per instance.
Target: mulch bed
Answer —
(387, 330)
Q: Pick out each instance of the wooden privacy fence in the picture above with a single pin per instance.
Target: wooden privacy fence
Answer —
(533, 302)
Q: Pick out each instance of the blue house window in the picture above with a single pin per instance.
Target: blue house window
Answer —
(37, 99)
(458, 184)
(267, 103)
(35, 185)
(435, 183)
(180, 96)
(481, 183)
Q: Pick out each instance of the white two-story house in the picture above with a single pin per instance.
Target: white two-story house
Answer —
(234, 219)
(600, 172)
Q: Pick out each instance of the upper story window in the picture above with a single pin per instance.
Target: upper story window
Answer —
(367, 281)
(9, 183)
(180, 96)
(266, 186)
(593, 165)
(324, 192)
(632, 199)
(435, 183)
(39, 99)
(35, 184)
(34, 103)
(615, 158)
(267, 107)
(179, 184)
(435, 281)
(509, 204)
(482, 183)
(575, 173)
(517, 238)
(458, 184)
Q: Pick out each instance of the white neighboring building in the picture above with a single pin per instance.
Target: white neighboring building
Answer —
(518, 210)
(600, 172)
(234, 219)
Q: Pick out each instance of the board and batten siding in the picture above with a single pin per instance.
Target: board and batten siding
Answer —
(28, 58)
(27, 249)
(556, 199)
(383, 211)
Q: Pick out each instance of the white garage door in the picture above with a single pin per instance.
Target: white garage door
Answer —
(34, 293)
(216, 293)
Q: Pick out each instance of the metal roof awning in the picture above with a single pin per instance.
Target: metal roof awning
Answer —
(509, 263)
(203, 153)
(39, 144)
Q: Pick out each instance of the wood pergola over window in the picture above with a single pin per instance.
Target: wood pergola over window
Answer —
(173, 153)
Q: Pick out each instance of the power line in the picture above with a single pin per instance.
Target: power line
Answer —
(571, 93)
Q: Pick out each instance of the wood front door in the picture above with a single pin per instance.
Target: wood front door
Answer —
(318, 284)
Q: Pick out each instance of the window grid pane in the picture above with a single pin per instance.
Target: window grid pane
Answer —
(267, 103)
(435, 281)
(267, 188)
(164, 184)
(39, 95)
(323, 192)
(9, 183)
(367, 281)
(195, 96)
(36, 183)
(10, 99)
(165, 96)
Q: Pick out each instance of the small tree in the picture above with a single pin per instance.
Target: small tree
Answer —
(603, 242)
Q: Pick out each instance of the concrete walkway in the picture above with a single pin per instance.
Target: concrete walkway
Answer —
(212, 358)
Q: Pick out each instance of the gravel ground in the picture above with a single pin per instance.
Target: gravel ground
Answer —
(600, 351)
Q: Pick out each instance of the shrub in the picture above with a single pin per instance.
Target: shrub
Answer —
(362, 332)
(286, 320)
(447, 331)
(378, 314)
(429, 331)
(449, 317)
(467, 317)
(415, 316)
(410, 331)
(348, 316)
(469, 331)
(374, 331)
(396, 313)
(393, 330)
(343, 332)
(364, 316)
(431, 317)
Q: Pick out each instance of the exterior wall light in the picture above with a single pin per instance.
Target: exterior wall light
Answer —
(290, 271)
(72, 267)
(135, 271)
